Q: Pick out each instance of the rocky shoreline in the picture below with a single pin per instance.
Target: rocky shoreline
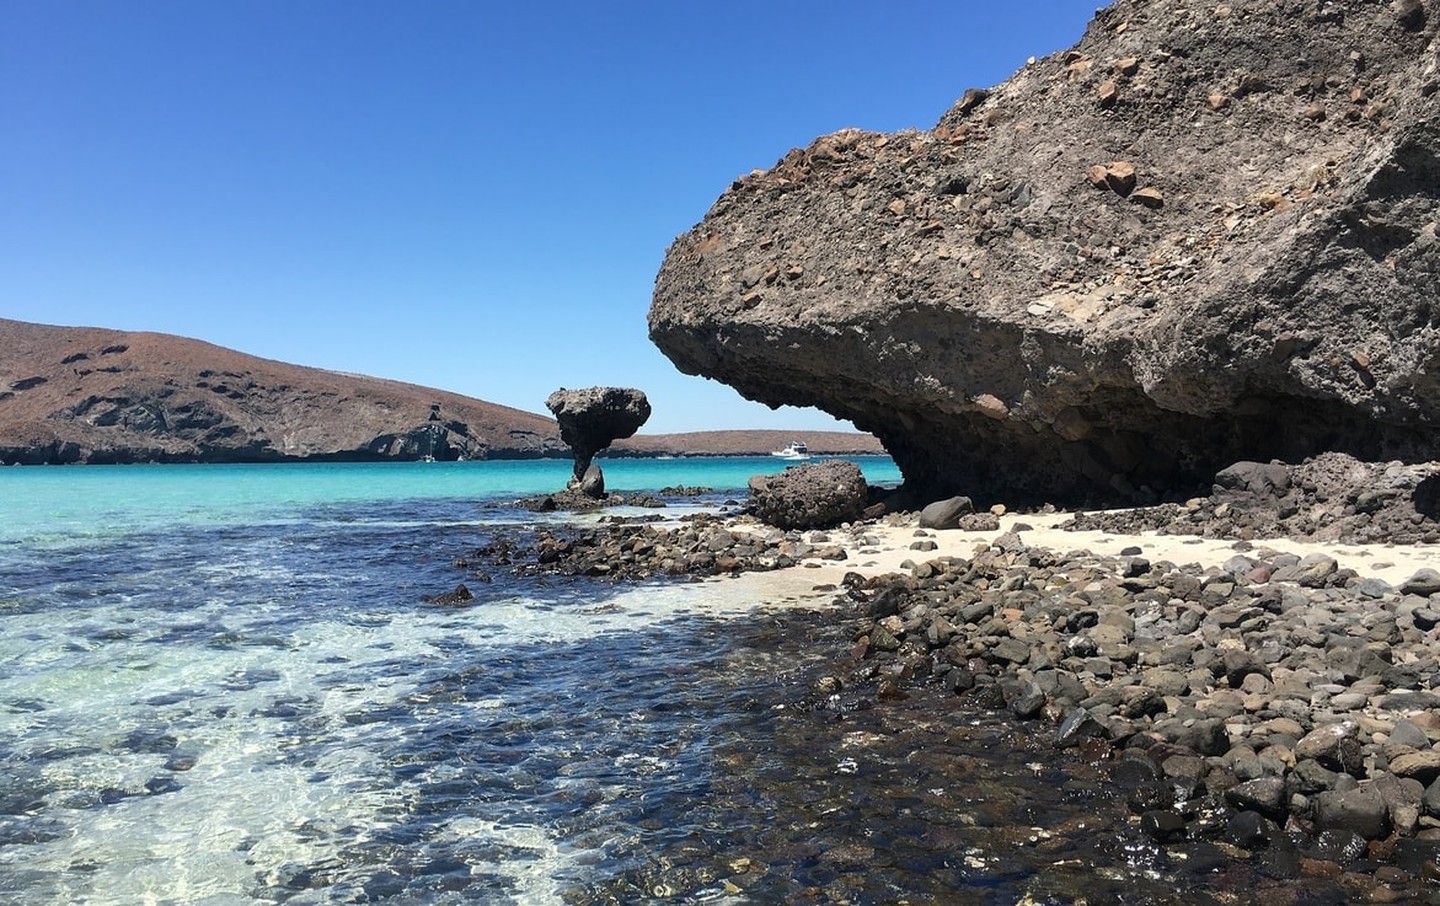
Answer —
(1276, 705)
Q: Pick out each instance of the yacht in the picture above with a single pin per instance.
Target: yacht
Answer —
(793, 450)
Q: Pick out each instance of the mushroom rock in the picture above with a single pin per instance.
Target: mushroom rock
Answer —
(592, 418)
(1128, 266)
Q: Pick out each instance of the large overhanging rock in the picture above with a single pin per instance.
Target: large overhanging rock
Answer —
(1203, 235)
(591, 419)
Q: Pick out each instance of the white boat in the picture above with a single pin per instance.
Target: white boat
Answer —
(793, 450)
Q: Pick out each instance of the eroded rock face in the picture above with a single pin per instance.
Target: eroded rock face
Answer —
(815, 495)
(590, 419)
(1203, 235)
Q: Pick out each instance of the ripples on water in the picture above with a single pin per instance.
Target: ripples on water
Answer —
(269, 713)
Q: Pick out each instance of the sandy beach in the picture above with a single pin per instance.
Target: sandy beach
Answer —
(884, 548)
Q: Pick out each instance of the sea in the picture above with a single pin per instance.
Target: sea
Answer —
(226, 684)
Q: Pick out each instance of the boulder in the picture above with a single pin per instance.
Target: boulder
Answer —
(1361, 811)
(592, 484)
(1259, 478)
(1426, 581)
(1335, 746)
(1265, 795)
(592, 418)
(814, 495)
(984, 298)
(946, 514)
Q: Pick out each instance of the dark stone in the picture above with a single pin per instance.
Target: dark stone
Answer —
(1335, 746)
(1425, 582)
(1240, 664)
(593, 483)
(1023, 698)
(1425, 618)
(1360, 811)
(1133, 567)
(1309, 776)
(1250, 830)
(1408, 733)
(1410, 14)
(1163, 825)
(979, 522)
(157, 786)
(461, 595)
(959, 680)
(1419, 857)
(1205, 736)
(945, 514)
(1131, 772)
(149, 742)
(1012, 651)
(1265, 795)
(1403, 798)
(179, 762)
(1151, 795)
(1338, 845)
(1431, 801)
(1078, 726)
(1260, 479)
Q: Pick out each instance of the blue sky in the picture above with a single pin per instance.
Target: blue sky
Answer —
(462, 194)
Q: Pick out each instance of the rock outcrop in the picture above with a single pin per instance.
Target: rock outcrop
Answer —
(815, 495)
(590, 419)
(77, 394)
(1205, 234)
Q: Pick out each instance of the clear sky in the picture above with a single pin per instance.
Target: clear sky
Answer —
(463, 194)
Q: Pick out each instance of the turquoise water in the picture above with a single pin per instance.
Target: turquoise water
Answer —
(223, 685)
(56, 504)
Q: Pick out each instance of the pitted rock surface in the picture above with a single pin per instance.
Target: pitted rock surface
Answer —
(815, 495)
(590, 419)
(1205, 234)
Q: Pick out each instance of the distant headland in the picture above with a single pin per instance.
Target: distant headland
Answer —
(93, 395)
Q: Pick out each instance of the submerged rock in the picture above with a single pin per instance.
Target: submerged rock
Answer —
(1205, 234)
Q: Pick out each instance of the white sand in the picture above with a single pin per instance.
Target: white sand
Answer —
(1392, 563)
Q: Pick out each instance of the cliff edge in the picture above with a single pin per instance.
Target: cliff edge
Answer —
(1204, 234)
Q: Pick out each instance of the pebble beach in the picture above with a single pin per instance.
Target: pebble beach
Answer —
(1271, 697)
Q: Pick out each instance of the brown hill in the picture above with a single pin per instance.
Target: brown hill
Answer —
(81, 394)
(85, 394)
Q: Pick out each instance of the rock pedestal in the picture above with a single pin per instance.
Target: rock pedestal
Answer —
(592, 418)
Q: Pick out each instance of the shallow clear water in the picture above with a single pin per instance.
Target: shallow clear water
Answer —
(223, 685)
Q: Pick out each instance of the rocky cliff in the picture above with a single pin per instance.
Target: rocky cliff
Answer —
(1207, 233)
(71, 394)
